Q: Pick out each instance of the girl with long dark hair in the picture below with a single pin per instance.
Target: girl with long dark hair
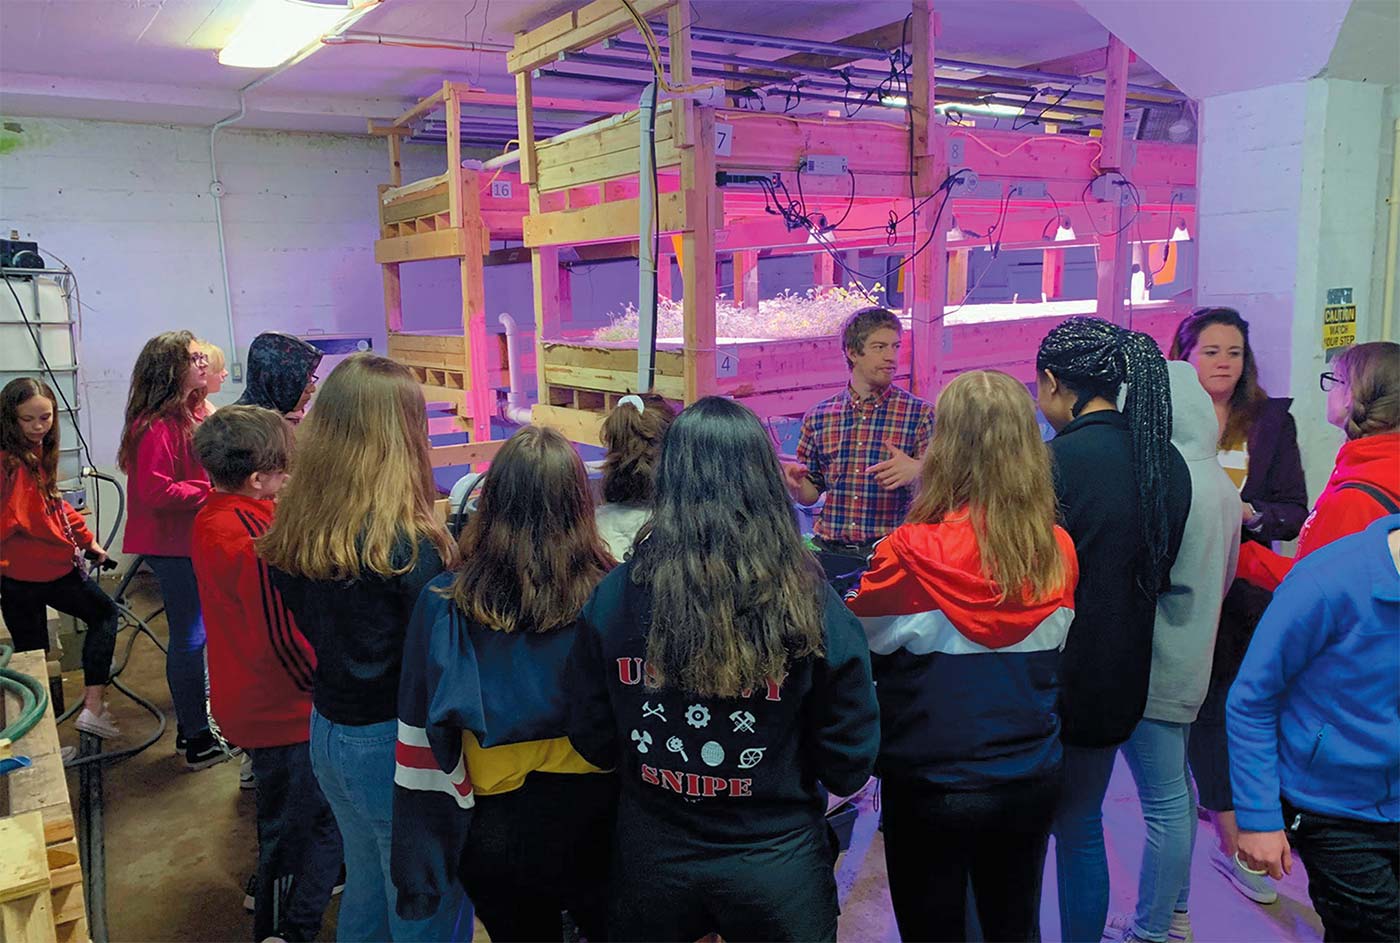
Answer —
(167, 486)
(1258, 448)
(966, 606)
(482, 683)
(728, 684)
(45, 542)
(1124, 493)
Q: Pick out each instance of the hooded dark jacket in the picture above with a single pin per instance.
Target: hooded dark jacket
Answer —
(279, 367)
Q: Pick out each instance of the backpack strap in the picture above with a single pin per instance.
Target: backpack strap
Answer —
(1380, 497)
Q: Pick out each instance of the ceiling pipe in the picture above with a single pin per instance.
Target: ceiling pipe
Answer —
(355, 37)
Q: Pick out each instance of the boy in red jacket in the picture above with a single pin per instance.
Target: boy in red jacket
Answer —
(260, 669)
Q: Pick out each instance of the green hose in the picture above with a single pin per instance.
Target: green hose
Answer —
(33, 697)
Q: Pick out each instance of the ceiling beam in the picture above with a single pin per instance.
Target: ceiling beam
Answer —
(881, 37)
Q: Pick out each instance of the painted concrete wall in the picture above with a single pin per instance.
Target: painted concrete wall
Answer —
(1293, 181)
(128, 208)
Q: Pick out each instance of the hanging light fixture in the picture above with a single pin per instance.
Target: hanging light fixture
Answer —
(275, 30)
(1065, 233)
(1180, 234)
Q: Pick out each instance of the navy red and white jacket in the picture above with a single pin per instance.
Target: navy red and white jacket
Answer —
(260, 665)
(968, 684)
(479, 710)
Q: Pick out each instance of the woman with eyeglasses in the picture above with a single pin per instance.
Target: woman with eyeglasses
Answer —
(1363, 400)
(1258, 448)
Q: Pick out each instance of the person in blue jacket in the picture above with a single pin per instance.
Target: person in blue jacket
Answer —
(1314, 725)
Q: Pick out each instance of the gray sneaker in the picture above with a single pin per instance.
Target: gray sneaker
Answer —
(102, 725)
(1256, 885)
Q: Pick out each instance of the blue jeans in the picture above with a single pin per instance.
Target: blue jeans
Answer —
(1081, 864)
(355, 767)
(1156, 754)
(184, 658)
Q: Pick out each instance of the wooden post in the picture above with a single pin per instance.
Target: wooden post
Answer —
(544, 269)
(957, 275)
(663, 275)
(395, 160)
(1112, 249)
(746, 280)
(698, 255)
(678, 22)
(823, 270)
(928, 271)
(1052, 273)
(393, 298)
(525, 125)
(454, 157)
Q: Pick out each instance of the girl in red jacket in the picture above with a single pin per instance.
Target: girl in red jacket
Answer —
(166, 487)
(44, 541)
(1363, 400)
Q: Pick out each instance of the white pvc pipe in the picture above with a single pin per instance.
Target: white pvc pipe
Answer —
(517, 406)
(1392, 244)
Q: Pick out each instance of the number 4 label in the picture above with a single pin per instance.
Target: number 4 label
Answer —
(726, 363)
(724, 139)
(500, 189)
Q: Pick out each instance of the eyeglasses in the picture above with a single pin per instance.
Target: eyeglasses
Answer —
(199, 360)
(1329, 381)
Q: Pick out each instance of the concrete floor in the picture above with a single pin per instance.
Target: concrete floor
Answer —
(180, 846)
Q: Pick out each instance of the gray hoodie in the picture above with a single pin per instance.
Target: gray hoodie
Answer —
(1188, 614)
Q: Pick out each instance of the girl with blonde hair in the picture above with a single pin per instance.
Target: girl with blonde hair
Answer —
(216, 372)
(966, 607)
(354, 542)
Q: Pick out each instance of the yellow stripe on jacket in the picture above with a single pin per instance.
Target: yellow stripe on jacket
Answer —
(496, 770)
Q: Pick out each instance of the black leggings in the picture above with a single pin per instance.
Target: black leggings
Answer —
(22, 605)
(935, 841)
(539, 850)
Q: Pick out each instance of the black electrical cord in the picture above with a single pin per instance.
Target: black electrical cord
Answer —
(1132, 191)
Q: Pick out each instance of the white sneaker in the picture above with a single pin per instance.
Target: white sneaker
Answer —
(246, 779)
(1119, 927)
(102, 725)
(1256, 885)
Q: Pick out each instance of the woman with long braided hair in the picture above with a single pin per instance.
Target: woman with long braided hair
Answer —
(1124, 493)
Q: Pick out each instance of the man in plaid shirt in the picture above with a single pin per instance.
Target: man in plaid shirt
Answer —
(863, 446)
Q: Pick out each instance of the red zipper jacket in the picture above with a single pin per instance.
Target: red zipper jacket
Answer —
(34, 543)
(260, 665)
(1340, 511)
(166, 487)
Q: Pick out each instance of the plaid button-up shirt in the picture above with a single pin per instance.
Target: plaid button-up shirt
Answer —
(842, 437)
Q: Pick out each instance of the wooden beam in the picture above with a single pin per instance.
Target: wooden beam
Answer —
(746, 280)
(592, 23)
(1112, 264)
(545, 276)
(479, 345)
(393, 297)
(1052, 273)
(476, 97)
(395, 160)
(470, 454)
(957, 276)
(881, 37)
(443, 244)
(525, 127)
(678, 21)
(1088, 62)
(698, 257)
(576, 425)
(603, 222)
(455, 197)
(424, 107)
(663, 275)
(823, 270)
(926, 273)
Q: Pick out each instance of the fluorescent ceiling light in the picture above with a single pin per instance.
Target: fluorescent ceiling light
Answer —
(275, 30)
(991, 109)
(894, 101)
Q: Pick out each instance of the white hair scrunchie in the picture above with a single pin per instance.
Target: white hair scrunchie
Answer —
(632, 399)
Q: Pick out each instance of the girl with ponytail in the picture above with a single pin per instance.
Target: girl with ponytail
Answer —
(632, 434)
(1124, 493)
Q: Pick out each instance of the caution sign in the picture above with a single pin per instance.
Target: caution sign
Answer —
(1338, 326)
